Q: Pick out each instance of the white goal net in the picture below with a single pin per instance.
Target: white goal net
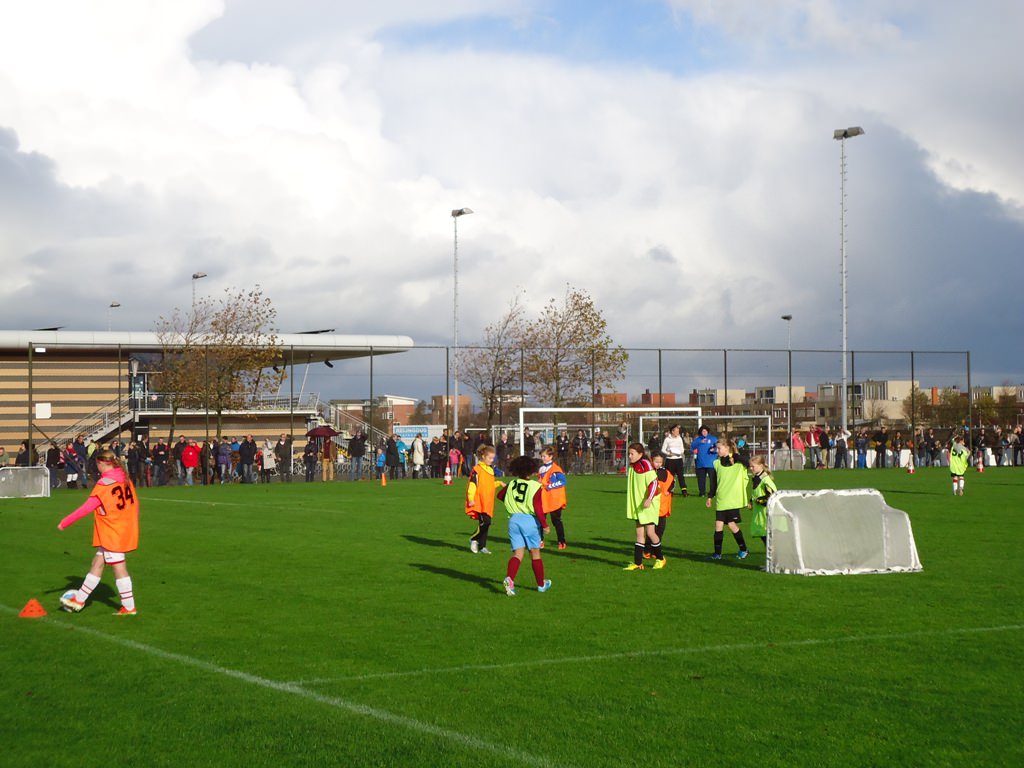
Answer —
(838, 532)
(605, 431)
(756, 431)
(24, 482)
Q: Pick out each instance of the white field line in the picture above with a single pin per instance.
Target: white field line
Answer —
(418, 726)
(728, 648)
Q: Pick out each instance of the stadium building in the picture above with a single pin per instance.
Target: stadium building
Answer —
(57, 384)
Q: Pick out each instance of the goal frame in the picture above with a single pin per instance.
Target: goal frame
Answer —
(763, 417)
(689, 412)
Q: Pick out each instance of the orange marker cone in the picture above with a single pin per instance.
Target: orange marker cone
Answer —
(383, 479)
(32, 610)
(910, 465)
(448, 475)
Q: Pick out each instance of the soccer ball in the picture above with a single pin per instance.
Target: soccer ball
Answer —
(64, 600)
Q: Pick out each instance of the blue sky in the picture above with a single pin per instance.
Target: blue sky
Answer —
(672, 157)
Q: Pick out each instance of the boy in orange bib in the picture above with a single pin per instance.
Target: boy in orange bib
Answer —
(115, 532)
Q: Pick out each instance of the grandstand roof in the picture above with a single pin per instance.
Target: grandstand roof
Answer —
(307, 347)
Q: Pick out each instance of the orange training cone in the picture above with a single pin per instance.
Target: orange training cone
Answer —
(383, 479)
(32, 610)
(448, 475)
(981, 463)
(910, 465)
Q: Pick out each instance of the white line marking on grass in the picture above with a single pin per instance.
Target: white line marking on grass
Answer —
(295, 689)
(765, 645)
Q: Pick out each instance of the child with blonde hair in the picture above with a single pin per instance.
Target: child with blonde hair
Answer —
(115, 532)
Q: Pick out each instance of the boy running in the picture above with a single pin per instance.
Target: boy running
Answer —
(522, 499)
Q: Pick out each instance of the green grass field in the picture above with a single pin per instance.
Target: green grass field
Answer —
(349, 625)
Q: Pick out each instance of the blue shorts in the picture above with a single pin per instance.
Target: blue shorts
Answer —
(523, 532)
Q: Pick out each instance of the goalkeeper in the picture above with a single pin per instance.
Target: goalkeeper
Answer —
(763, 487)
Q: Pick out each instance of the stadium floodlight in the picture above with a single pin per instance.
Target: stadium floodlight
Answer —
(456, 213)
(841, 135)
(113, 305)
(195, 276)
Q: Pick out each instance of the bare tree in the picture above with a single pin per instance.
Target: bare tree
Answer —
(492, 368)
(217, 356)
(180, 378)
(570, 354)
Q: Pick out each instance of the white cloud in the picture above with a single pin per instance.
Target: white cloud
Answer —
(326, 171)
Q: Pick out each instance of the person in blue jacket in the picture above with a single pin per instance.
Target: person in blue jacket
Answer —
(704, 455)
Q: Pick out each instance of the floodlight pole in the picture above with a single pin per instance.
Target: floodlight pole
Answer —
(456, 213)
(841, 135)
(789, 401)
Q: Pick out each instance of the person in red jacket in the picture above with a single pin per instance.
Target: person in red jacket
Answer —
(190, 460)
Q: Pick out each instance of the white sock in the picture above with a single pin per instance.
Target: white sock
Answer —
(90, 583)
(124, 587)
(961, 484)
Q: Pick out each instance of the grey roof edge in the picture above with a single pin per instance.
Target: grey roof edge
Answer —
(321, 345)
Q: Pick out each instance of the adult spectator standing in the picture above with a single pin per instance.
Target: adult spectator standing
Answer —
(881, 441)
(309, 458)
(246, 456)
(328, 455)
(529, 443)
(53, 461)
(980, 445)
(72, 467)
(356, 452)
(145, 463)
(998, 445)
(206, 459)
(283, 457)
(842, 447)
(269, 460)
(825, 441)
(860, 444)
(704, 455)
(1016, 445)
(24, 458)
(436, 459)
(674, 450)
(224, 460)
(503, 452)
(190, 461)
(896, 443)
(930, 443)
(418, 456)
(82, 452)
(161, 455)
(562, 447)
(179, 466)
(797, 446)
(814, 446)
(403, 455)
(391, 457)
(134, 456)
(580, 451)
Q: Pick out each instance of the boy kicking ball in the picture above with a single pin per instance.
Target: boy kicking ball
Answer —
(115, 531)
(522, 499)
